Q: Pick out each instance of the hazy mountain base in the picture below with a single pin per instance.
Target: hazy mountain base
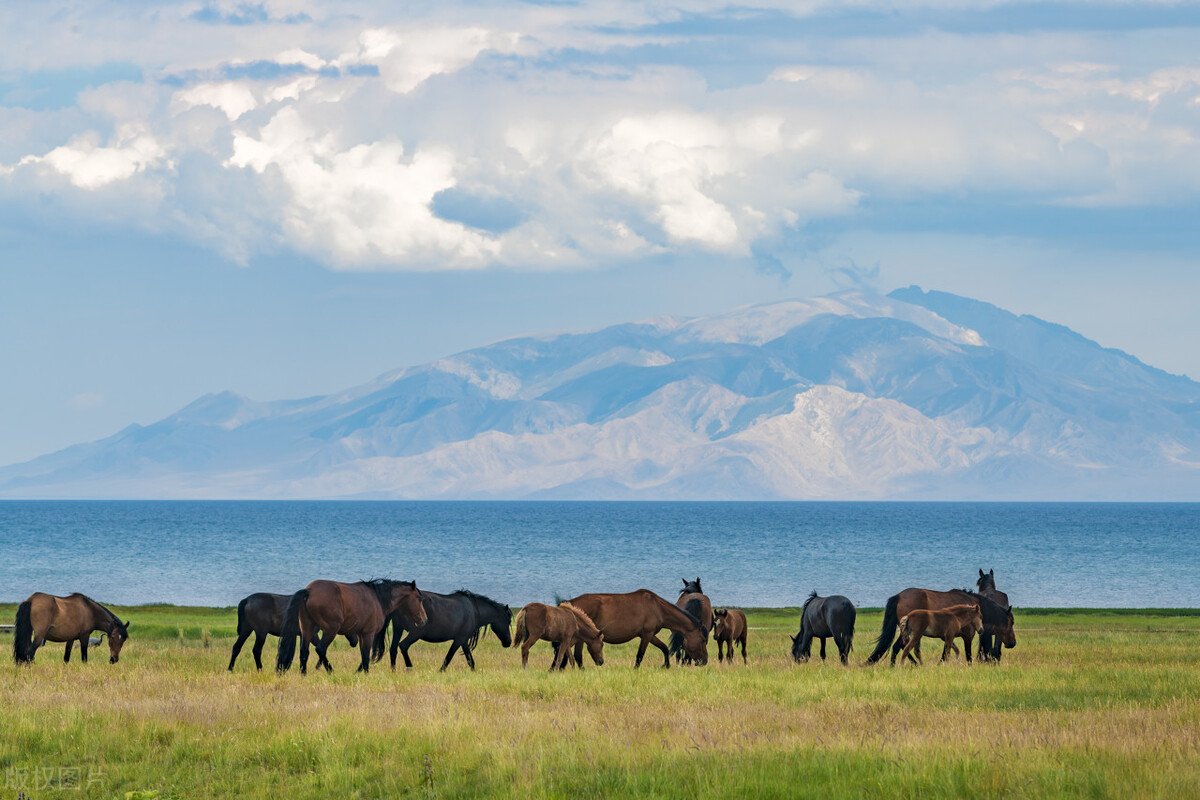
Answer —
(852, 396)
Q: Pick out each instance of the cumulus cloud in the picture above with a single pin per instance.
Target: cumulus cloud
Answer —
(378, 138)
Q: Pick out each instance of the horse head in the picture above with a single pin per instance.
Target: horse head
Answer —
(691, 587)
(595, 648)
(986, 582)
(502, 629)
(406, 598)
(118, 633)
(1008, 634)
(695, 644)
(798, 654)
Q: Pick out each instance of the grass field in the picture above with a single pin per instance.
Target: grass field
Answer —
(1089, 704)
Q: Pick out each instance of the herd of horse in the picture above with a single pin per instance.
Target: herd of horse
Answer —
(362, 612)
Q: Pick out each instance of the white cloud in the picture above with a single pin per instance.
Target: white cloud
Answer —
(406, 60)
(233, 99)
(90, 166)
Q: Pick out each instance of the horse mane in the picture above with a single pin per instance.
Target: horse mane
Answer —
(381, 587)
(501, 608)
(112, 618)
(584, 620)
(987, 605)
(809, 602)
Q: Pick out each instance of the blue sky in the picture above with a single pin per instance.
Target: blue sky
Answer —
(287, 198)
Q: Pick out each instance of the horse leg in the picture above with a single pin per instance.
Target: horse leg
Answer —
(83, 645)
(907, 650)
(946, 648)
(260, 639)
(466, 649)
(899, 644)
(743, 642)
(525, 653)
(321, 646)
(843, 649)
(967, 645)
(666, 651)
(67, 652)
(237, 648)
(823, 648)
(449, 655)
(641, 651)
(985, 646)
(364, 650)
(406, 643)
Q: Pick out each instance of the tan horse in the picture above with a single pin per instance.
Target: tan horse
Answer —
(730, 627)
(946, 624)
(641, 615)
(345, 609)
(564, 624)
(46, 618)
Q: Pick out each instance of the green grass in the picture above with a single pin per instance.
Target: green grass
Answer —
(1091, 703)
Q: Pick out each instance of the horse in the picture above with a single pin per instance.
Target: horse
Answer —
(730, 627)
(261, 614)
(698, 605)
(946, 624)
(989, 649)
(996, 620)
(821, 618)
(457, 618)
(350, 609)
(641, 614)
(46, 618)
(564, 625)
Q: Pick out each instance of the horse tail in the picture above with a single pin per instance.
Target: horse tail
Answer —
(522, 628)
(243, 627)
(675, 647)
(23, 634)
(291, 630)
(380, 644)
(889, 630)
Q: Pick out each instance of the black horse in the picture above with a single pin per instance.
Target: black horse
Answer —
(457, 618)
(821, 618)
(262, 614)
(989, 648)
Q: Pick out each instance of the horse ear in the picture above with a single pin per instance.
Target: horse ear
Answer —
(684, 581)
(981, 573)
(991, 572)
(127, 624)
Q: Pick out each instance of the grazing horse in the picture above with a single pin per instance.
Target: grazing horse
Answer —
(563, 625)
(349, 609)
(641, 615)
(989, 648)
(730, 627)
(457, 618)
(261, 614)
(696, 603)
(996, 620)
(46, 618)
(946, 624)
(821, 618)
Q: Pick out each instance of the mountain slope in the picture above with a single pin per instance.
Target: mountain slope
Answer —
(852, 395)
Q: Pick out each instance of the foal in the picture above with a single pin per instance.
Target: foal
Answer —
(945, 624)
(564, 624)
(731, 627)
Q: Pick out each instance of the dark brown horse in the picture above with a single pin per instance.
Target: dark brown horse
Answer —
(989, 646)
(46, 618)
(997, 620)
(730, 627)
(696, 603)
(348, 609)
(565, 625)
(262, 614)
(946, 624)
(641, 615)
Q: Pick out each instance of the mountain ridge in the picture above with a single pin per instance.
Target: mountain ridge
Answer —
(913, 395)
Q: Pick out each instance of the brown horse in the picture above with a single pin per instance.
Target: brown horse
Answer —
(946, 624)
(641, 615)
(564, 624)
(347, 609)
(730, 627)
(996, 619)
(46, 618)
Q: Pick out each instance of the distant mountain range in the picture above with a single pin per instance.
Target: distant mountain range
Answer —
(916, 395)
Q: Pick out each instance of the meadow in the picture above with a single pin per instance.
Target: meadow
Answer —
(1091, 703)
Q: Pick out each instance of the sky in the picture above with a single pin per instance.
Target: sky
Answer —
(288, 198)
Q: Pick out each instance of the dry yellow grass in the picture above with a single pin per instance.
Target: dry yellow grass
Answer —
(1089, 705)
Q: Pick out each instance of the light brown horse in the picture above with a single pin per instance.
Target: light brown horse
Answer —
(346, 609)
(996, 619)
(641, 615)
(564, 624)
(946, 624)
(730, 627)
(46, 618)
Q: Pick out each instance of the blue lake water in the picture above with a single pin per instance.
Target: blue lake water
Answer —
(751, 554)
